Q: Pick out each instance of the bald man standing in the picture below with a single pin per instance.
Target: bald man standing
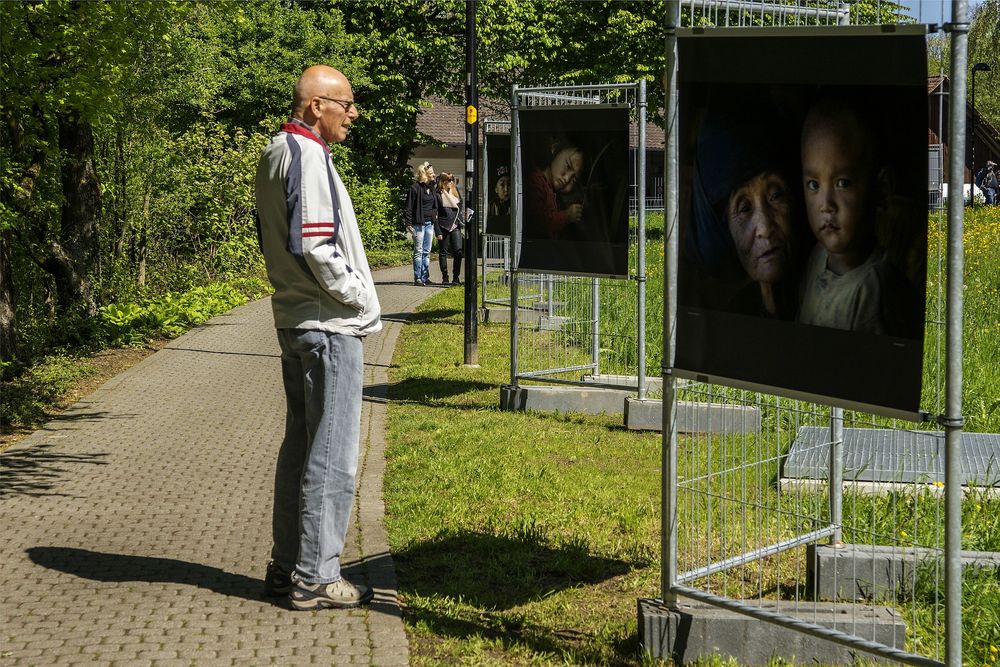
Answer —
(324, 304)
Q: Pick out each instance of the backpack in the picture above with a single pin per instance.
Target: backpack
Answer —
(979, 177)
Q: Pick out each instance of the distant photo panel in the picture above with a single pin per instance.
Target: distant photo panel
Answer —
(803, 215)
(574, 174)
(498, 184)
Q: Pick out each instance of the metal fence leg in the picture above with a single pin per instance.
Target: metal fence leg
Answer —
(668, 551)
(836, 481)
(952, 419)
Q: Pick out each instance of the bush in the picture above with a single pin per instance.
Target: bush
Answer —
(167, 316)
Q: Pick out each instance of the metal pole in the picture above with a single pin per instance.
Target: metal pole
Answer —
(668, 516)
(952, 420)
(844, 14)
(972, 186)
(549, 296)
(481, 206)
(595, 334)
(837, 475)
(471, 186)
(515, 228)
(641, 264)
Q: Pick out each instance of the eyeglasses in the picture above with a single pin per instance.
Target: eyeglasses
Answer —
(346, 104)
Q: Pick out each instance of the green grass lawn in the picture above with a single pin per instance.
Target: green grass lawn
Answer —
(527, 538)
(519, 538)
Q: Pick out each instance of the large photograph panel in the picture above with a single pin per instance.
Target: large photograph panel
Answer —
(498, 184)
(574, 175)
(803, 216)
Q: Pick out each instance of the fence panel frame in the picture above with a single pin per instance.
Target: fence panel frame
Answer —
(675, 584)
(522, 97)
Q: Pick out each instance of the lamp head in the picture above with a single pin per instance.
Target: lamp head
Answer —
(981, 67)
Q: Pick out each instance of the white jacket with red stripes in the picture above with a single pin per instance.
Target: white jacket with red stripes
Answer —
(309, 235)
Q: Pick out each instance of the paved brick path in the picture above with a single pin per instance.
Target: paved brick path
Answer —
(135, 527)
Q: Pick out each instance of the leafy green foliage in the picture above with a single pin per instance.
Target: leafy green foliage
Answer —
(983, 47)
(167, 316)
(25, 399)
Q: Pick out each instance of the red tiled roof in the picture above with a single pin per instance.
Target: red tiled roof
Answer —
(445, 122)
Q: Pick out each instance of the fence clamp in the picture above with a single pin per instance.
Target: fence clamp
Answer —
(956, 27)
(948, 422)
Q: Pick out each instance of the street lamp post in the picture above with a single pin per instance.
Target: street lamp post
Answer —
(978, 67)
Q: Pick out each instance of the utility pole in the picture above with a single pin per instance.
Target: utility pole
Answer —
(471, 187)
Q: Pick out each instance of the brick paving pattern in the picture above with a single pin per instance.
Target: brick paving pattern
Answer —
(136, 525)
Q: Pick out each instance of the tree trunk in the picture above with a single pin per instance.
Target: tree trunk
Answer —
(10, 349)
(71, 257)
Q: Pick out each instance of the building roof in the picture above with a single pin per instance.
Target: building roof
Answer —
(445, 122)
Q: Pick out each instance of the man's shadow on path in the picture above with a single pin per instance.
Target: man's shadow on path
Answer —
(120, 568)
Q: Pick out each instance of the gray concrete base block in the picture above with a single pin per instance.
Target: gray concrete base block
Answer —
(497, 314)
(875, 572)
(698, 630)
(647, 415)
(654, 385)
(553, 323)
(593, 401)
(492, 315)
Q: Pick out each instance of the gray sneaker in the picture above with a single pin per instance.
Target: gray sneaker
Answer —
(340, 594)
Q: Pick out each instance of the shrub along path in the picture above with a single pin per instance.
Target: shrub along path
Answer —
(136, 525)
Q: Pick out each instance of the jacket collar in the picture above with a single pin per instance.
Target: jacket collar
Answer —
(296, 126)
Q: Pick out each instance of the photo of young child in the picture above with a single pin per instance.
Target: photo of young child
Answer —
(842, 288)
(574, 175)
(498, 184)
(549, 186)
(849, 282)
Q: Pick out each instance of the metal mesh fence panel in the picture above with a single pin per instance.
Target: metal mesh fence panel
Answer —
(574, 329)
(830, 522)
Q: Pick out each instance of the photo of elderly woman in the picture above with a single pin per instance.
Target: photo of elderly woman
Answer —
(742, 246)
(498, 184)
(574, 171)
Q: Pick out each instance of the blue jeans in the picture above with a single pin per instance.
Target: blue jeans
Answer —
(423, 237)
(318, 460)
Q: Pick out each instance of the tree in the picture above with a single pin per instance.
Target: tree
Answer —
(61, 67)
(408, 51)
(984, 46)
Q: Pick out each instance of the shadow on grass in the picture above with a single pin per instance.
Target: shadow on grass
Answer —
(496, 574)
(37, 471)
(437, 316)
(425, 390)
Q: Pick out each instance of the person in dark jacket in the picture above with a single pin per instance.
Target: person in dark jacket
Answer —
(448, 228)
(420, 213)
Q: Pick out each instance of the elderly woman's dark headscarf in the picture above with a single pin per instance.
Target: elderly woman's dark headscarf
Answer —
(736, 141)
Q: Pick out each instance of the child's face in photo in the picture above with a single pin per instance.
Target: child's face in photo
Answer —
(502, 188)
(565, 169)
(839, 187)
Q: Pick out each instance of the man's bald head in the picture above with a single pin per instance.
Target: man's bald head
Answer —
(318, 81)
(325, 102)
